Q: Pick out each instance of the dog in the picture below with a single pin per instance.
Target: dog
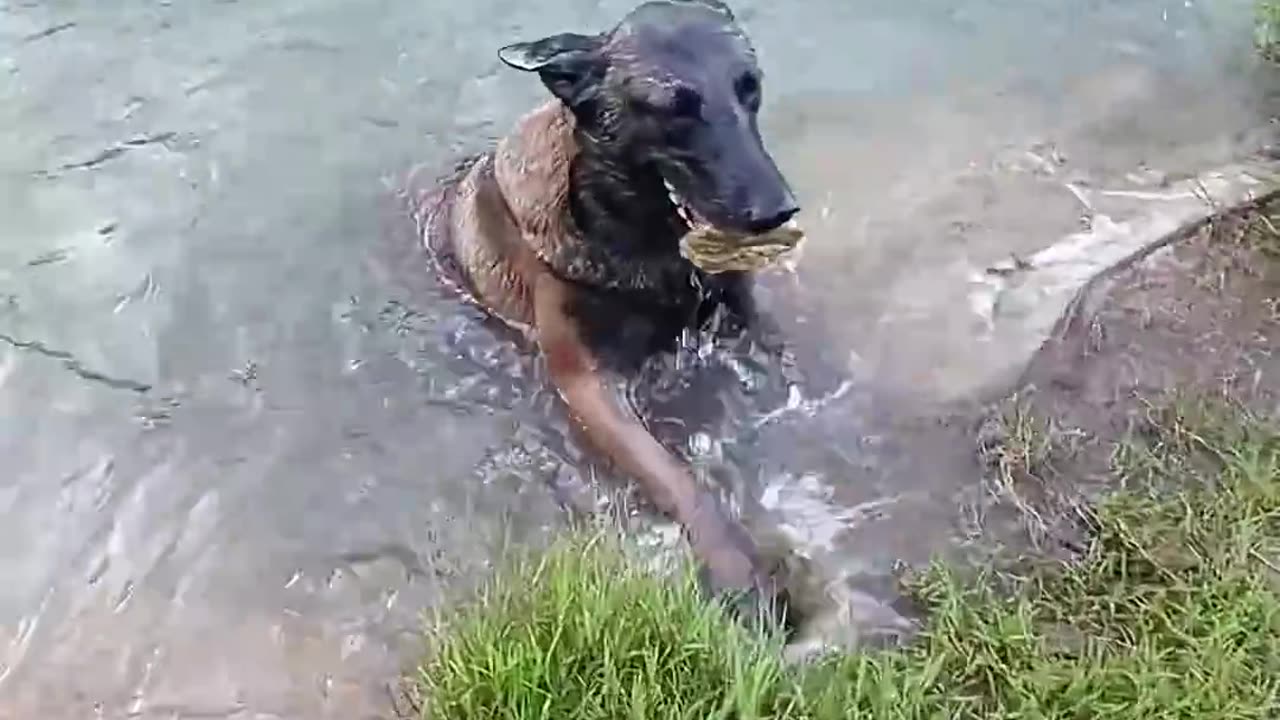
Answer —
(568, 229)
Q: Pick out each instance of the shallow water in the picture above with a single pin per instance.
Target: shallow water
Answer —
(238, 463)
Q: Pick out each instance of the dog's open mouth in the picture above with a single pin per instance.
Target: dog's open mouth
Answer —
(685, 210)
(717, 250)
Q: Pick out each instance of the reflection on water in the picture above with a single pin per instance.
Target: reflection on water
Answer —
(243, 450)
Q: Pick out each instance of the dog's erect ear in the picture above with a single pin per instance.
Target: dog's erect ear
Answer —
(568, 63)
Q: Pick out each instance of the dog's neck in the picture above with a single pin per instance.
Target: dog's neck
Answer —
(620, 202)
(584, 215)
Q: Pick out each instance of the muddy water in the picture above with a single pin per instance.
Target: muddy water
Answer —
(237, 463)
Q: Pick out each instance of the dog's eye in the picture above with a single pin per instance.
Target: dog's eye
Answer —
(686, 103)
(747, 88)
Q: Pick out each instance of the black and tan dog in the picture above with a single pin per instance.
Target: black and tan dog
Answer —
(569, 229)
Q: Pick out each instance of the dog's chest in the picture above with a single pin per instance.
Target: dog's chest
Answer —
(623, 330)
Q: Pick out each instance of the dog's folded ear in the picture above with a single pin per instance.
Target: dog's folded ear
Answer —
(716, 5)
(540, 54)
(568, 63)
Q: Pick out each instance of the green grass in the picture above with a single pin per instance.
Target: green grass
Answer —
(1267, 28)
(1172, 612)
(1262, 234)
(586, 632)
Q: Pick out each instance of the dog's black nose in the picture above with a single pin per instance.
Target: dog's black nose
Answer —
(759, 222)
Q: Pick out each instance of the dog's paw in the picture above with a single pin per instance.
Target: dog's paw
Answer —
(731, 573)
(760, 603)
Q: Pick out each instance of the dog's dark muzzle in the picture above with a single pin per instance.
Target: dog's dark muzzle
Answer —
(766, 216)
(747, 193)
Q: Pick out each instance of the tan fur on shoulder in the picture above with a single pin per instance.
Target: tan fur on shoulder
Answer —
(532, 168)
(506, 212)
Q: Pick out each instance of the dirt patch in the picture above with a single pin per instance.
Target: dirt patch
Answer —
(1198, 318)
(1200, 314)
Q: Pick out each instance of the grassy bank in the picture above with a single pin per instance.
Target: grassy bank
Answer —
(1267, 28)
(1173, 611)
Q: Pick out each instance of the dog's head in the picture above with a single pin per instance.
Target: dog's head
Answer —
(675, 89)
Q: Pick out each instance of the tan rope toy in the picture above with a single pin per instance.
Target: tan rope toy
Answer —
(717, 251)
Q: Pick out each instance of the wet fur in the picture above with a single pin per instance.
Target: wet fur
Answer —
(502, 214)
(566, 236)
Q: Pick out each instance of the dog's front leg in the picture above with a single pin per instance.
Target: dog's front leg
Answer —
(720, 544)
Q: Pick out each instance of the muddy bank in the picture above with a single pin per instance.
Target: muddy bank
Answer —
(1198, 318)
